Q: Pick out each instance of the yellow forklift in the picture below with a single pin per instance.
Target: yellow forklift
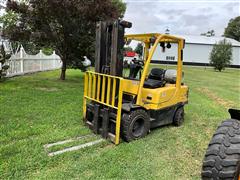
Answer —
(128, 107)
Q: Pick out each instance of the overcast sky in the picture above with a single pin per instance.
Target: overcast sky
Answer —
(190, 17)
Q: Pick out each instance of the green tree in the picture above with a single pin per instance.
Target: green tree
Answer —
(139, 49)
(9, 20)
(221, 55)
(8, 25)
(128, 48)
(66, 26)
(208, 33)
(3, 58)
(233, 29)
(47, 51)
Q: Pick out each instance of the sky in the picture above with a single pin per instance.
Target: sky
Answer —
(182, 17)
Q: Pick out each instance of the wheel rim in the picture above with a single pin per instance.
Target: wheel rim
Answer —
(138, 127)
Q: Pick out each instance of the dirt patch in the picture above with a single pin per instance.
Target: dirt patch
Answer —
(47, 89)
(215, 98)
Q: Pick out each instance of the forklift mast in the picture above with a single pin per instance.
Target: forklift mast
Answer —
(109, 47)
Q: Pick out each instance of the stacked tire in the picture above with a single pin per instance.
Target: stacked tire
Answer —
(222, 158)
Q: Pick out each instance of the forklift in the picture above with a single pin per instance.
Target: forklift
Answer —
(117, 107)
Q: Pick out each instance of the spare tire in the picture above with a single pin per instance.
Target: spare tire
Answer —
(222, 159)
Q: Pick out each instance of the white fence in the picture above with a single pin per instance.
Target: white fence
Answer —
(22, 63)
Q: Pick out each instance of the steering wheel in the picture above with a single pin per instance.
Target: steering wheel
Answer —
(138, 62)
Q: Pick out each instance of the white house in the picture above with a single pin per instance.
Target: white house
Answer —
(197, 51)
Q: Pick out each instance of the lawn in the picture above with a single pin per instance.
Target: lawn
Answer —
(38, 109)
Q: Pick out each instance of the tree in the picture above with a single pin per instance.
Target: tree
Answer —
(66, 26)
(128, 48)
(3, 58)
(208, 33)
(233, 29)
(139, 49)
(221, 55)
(8, 24)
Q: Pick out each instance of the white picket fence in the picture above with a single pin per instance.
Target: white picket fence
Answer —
(22, 63)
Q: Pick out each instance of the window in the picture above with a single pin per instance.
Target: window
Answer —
(172, 58)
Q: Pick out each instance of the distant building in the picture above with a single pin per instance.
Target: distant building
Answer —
(196, 52)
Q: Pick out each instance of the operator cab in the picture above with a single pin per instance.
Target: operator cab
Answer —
(159, 75)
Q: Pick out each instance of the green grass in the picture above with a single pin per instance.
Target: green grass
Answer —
(38, 109)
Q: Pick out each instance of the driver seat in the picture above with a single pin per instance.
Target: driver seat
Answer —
(155, 79)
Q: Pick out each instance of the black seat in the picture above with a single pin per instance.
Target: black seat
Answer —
(155, 79)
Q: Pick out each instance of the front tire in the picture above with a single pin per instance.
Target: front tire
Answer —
(222, 159)
(135, 125)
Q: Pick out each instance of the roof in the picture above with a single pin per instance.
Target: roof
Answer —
(190, 39)
(194, 39)
(148, 36)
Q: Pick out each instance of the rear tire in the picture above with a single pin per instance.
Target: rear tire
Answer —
(135, 125)
(222, 159)
(178, 118)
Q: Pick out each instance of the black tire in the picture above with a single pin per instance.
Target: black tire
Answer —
(222, 158)
(178, 118)
(135, 125)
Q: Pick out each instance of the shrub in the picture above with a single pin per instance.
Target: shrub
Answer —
(221, 55)
(3, 58)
